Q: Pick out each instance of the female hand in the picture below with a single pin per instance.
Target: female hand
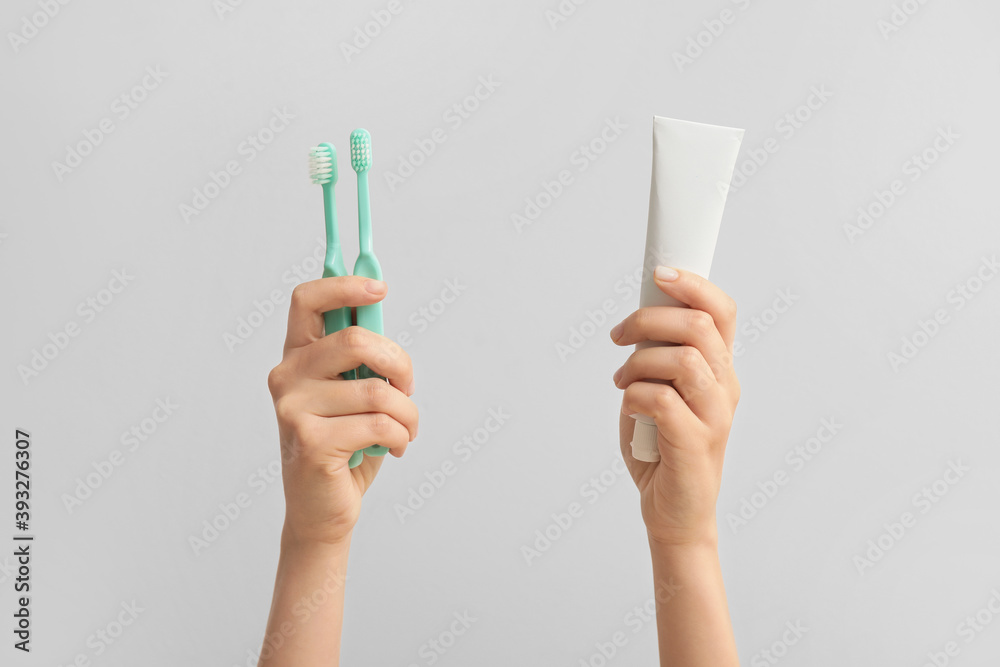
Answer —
(691, 391)
(323, 419)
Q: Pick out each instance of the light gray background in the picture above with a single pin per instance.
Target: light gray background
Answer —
(495, 346)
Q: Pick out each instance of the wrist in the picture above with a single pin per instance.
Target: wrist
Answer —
(294, 543)
(702, 537)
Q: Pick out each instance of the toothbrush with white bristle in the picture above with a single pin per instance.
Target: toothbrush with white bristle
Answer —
(323, 171)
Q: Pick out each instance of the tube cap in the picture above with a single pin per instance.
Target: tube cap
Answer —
(644, 446)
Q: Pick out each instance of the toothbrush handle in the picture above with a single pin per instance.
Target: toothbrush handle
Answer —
(372, 450)
(335, 320)
(370, 317)
(364, 214)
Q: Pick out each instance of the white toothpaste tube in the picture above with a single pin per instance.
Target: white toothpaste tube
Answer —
(692, 166)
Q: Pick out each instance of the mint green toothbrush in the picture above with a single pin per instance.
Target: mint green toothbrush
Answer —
(369, 317)
(323, 171)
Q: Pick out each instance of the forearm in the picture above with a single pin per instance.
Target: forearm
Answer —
(692, 615)
(307, 610)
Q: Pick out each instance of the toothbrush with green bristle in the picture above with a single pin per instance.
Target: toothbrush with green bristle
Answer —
(369, 317)
(323, 171)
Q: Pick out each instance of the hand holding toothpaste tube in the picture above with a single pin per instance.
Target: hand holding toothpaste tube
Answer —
(690, 389)
(681, 376)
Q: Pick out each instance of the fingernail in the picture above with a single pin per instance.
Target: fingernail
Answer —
(665, 273)
(617, 376)
(617, 331)
(375, 286)
(411, 388)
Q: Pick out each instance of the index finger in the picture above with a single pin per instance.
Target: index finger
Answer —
(311, 299)
(700, 294)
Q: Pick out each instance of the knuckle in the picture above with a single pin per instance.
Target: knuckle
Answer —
(380, 423)
(376, 392)
(308, 434)
(690, 358)
(700, 322)
(300, 295)
(355, 338)
(631, 395)
(277, 380)
(663, 399)
(386, 353)
(728, 363)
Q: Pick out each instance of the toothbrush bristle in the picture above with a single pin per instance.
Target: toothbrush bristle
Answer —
(322, 164)
(361, 150)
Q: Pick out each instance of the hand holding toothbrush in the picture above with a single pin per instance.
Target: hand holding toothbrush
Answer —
(323, 419)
